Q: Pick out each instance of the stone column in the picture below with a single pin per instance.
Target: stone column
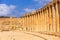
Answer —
(50, 19)
(46, 20)
(23, 23)
(38, 21)
(41, 22)
(27, 22)
(33, 22)
(43, 19)
(54, 18)
(39, 17)
(57, 17)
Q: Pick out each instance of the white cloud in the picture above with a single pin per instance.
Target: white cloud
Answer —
(5, 9)
(42, 2)
(12, 7)
(28, 10)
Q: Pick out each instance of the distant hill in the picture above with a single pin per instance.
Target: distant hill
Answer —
(4, 17)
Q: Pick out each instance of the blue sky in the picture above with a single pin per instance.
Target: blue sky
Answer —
(19, 7)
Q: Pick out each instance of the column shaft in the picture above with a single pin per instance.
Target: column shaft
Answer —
(57, 17)
(54, 18)
(47, 20)
(36, 16)
(43, 21)
(39, 21)
(50, 19)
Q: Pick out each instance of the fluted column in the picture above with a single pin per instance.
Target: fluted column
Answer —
(24, 23)
(38, 21)
(33, 22)
(45, 20)
(54, 18)
(36, 26)
(28, 26)
(50, 19)
(41, 22)
(27, 22)
(30, 22)
(57, 17)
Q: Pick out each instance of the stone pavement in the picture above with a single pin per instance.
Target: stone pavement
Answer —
(17, 35)
(20, 35)
(47, 37)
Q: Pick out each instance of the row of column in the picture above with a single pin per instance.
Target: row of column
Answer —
(43, 20)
